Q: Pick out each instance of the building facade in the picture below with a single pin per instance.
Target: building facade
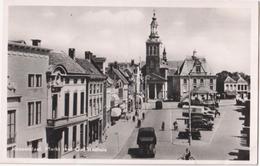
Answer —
(96, 103)
(239, 87)
(27, 100)
(193, 73)
(67, 122)
(155, 70)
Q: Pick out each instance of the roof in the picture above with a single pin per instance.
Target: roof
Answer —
(89, 68)
(241, 80)
(69, 64)
(188, 66)
(172, 72)
(174, 64)
(22, 46)
(120, 75)
(203, 90)
(156, 77)
(229, 80)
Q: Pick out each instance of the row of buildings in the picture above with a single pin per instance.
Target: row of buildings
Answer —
(59, 102)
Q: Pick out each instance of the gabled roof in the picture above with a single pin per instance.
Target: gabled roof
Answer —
(189, 63)
(241, 80)
(156, 77)
(120, 75)
(56, 58)
(89, 68)
(229, 80)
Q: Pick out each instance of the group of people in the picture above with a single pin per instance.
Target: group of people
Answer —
(138, 118)
(175, 126)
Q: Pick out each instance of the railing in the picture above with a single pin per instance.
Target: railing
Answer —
(64, 121)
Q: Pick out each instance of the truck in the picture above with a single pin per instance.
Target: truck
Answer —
(146, 140)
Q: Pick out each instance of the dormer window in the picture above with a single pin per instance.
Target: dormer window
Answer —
(198, 69)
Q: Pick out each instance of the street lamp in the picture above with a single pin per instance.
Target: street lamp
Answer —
(146, 92)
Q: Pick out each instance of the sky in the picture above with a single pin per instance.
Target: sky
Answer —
(221, 35)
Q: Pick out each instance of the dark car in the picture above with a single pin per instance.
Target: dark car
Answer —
(202, 124)
(146, 140)
(195, 134)
(158, 104)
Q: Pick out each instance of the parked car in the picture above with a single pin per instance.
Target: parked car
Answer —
(198, 110)
(195, 134)
(146, 140)
(202, 124)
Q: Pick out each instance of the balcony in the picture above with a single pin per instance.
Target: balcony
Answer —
(65, 121)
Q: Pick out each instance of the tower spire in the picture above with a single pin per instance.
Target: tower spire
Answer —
(164, 55)
(154, 25)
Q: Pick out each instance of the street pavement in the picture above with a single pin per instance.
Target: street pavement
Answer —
(214, 145)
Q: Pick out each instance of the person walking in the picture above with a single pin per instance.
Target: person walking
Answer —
(162, 127)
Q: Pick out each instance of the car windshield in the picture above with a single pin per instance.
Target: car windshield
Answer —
(146, 134)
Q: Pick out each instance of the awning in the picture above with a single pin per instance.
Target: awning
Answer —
(116, 112)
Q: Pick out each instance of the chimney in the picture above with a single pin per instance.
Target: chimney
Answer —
(132, 62)
(115, 65)
(36, 42)
(72, 53)
(88, 55)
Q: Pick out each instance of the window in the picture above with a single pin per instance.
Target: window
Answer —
(201, 81)
(98, 104)
(242, 87)
(97, 88)
(211, 87)
(38, 80)
(11, 127)
(185, 81)
(151, 50)
(101, 88)
(194, 81)
(38, 112)
(90, 89)
(194, 86)
(66, 139)
(81, 136)
(154, 50)
(82, 102)
(54, 106)
(30, 80)
(245, 87)
(74, 137)
(238, 87)
(82, 80)
(90, 105)
(211, 81)
(198, 69)
(75, 81)
(94, 104)
(30, 113)
(67, 104)
(75, 100)
(67, 80)
(34, 114)
(94, 91)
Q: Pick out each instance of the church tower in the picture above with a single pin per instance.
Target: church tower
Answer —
(153, 48)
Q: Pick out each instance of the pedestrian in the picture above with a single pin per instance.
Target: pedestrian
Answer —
(133, 118)
(175, 125)
(143, 115)
(162, 127)
(138, 123)
(187, 154)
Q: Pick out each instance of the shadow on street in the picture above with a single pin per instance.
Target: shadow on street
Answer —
(137, 153)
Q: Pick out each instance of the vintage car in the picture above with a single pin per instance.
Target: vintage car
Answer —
(146, 140)
(195, 134)
(198, 111)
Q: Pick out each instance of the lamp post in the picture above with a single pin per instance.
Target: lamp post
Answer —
(146, 92)
(190, 136)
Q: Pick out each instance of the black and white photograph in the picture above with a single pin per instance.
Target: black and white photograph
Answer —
(130, 82)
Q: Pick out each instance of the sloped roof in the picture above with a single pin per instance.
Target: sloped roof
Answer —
(156, 77)
(120, 75)
(174, 64)
(188, 65)
(56, 58)
(241, 80)
(229, 80)
(89, 68)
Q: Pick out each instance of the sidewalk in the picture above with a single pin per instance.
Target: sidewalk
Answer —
(117, 136)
